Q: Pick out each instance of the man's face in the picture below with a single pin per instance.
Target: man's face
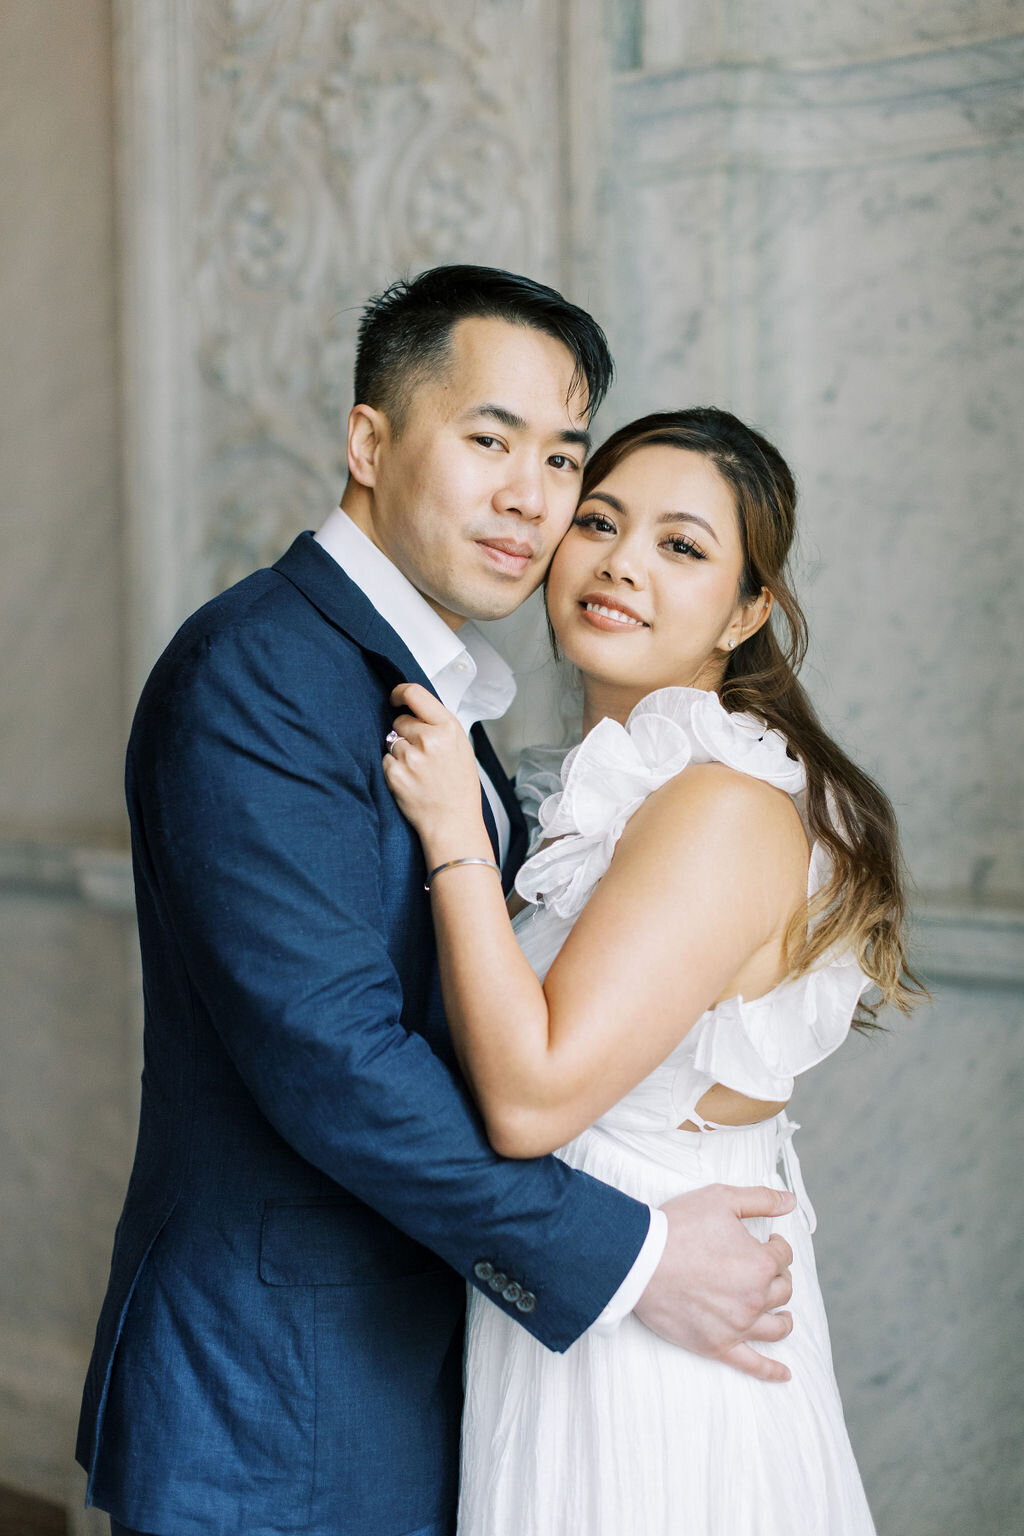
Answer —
(473, 497)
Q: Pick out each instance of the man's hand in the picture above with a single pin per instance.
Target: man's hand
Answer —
(716, 1286)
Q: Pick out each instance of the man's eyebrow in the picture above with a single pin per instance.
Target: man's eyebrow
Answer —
(516, 423)
(666, 517)
(499, 413)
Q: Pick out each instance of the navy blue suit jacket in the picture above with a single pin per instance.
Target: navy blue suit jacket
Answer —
(280, 1345)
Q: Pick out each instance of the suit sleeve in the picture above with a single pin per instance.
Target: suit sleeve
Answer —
(263, 839)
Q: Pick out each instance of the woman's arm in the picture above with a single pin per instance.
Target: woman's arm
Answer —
(706, 875)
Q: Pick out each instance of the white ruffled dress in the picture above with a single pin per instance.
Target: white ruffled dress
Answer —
(624, 1435)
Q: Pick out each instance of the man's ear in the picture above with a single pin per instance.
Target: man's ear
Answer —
(368, 431)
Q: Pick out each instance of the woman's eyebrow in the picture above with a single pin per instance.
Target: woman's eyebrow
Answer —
(611, 501)
(688, 517)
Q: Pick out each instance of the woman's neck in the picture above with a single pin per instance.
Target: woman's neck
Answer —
(603, 700)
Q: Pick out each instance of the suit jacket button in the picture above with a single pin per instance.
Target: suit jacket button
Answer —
(512, 1291)
(498, 1281)
(483, 1270)
(526, 1302)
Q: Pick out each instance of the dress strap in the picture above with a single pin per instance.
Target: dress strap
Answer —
(791, 1170)
(693, 1118)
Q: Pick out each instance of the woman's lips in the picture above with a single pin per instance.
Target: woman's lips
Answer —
(507, 555)
(609, 616)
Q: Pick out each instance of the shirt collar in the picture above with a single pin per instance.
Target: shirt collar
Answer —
(471, 678)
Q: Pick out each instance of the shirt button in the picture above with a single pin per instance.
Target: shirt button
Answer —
(497, 1281)
(526, 1302)
(462, 666)
(512, 1291)
(483, 1270)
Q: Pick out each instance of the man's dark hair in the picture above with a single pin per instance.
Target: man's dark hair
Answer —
(405, 332)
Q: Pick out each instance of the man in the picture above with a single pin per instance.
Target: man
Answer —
(280, 1346)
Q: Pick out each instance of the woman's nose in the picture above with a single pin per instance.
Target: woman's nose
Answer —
(620, 563)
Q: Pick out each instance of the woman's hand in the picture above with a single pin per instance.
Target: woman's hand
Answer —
(432, 772)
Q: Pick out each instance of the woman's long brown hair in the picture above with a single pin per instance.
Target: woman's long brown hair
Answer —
(863, 906)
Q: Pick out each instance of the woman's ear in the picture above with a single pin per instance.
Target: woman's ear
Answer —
(368, 431)
(748, 618)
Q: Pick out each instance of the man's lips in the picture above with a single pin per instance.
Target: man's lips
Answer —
(608, 613)
(507, 554)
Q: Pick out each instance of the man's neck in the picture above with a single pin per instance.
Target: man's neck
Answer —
(357, 503)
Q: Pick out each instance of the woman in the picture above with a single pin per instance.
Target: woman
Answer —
(711, 888)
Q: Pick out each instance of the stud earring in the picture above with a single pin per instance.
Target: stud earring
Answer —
(732, 644)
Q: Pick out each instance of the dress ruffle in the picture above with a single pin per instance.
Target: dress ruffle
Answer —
(606, 778)
(577, 804)
(759, 1047)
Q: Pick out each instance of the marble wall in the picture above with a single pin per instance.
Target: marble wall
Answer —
(835, 253)
(813, 216)
(305, 155)
(68, 1030)
(60, 589)
(809, 213)
(910, 1147)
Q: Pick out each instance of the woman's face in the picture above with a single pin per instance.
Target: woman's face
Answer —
(643, 591)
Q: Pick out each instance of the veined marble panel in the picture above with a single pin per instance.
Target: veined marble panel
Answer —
(671, 35)
(864, 306)
(896, 384)
(776, 117)
(910, 1150)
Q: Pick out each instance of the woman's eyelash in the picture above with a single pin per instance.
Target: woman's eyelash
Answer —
(685, 546)
(598, 523)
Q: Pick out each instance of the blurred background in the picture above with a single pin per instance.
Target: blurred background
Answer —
(808, 211)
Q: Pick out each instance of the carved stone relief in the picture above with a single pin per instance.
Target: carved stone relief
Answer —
(341, 144)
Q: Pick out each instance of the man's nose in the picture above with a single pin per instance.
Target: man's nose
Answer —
(525, 495)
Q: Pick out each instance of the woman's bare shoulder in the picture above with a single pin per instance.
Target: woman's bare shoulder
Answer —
(722, 800)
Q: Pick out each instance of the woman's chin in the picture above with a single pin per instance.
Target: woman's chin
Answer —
(600, 672)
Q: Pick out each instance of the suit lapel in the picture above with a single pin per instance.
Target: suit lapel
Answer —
(321, 580)
(489, 762)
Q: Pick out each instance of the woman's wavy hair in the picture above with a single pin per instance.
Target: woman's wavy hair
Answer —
(863, 905)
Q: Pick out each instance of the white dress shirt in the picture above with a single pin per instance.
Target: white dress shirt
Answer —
(468, 675)
(475, 683)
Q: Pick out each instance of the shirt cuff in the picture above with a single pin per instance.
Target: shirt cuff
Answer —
(639, 1277)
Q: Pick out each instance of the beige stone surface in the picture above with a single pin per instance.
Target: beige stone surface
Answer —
(61, 705)
(68, 1092)
(910, 1150)
(810, 213)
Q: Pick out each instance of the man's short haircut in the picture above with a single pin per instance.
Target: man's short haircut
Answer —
(405, 332)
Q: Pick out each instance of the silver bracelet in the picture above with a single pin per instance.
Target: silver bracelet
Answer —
(453, 863)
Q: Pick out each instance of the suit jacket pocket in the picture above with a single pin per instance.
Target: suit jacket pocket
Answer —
(335, 1241)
